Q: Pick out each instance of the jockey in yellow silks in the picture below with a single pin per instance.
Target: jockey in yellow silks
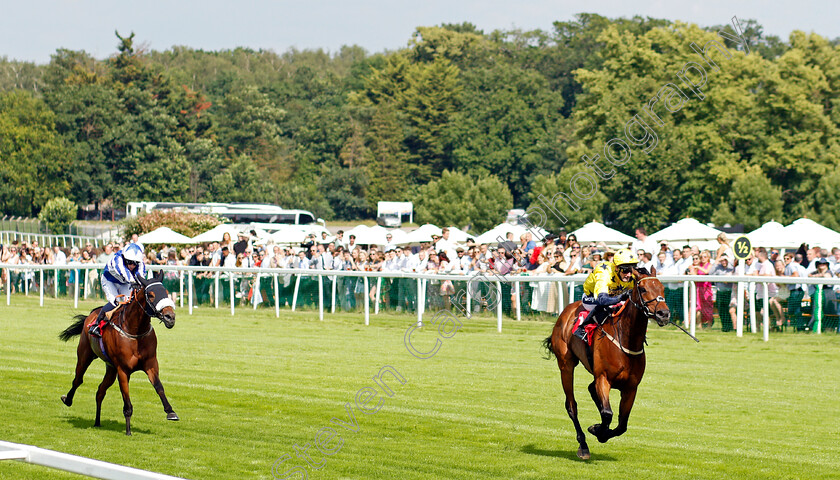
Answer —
(608, 284)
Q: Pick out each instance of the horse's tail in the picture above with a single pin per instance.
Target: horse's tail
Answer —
(74, 329)
(549, 348)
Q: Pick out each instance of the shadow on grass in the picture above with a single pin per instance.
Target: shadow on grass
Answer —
(567, 454)
(112, 425)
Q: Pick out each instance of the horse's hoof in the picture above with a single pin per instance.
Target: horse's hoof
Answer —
(583, 453)
(172, 416)
(65, 401)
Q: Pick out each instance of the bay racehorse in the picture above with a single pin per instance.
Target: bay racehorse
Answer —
(617, 356)
(129, 344)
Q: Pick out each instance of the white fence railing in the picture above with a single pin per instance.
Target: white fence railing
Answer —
(47, 240)
(75, 464)
(565, 286)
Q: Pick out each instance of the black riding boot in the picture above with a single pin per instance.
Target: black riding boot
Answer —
(595, 315)
(94, 327)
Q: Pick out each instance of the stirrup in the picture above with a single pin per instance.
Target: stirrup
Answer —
(94, 330)
(580, 332)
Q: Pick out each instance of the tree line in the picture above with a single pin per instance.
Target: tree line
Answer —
(464, 123)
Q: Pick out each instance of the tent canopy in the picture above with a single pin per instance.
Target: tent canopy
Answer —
(598, 232)
(164, 235)
(773, 234)
(814, 234)
(216, 233)
(687, 230)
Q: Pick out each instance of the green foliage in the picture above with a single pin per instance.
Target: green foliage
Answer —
(461, 200)
(755, 200)
(33, 160)
(58, 214)
(344, 189)
(189, 224)
(547, 186)
(826, 200)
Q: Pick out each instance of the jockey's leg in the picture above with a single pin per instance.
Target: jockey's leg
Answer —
(96, 327)
(588, 303)
(111, 292)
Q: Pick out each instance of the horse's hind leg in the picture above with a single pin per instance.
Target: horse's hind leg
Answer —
(152, 372)
(84, 357)
(602, 401)
(107, 381)
(567, 375)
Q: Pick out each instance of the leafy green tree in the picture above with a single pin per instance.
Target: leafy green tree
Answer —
(58, 214)
(387, 164)
(458, 199)
(240, 181)
(34, 165)
(344, 189)
(826, 200)
(754, 200)
(546, 187)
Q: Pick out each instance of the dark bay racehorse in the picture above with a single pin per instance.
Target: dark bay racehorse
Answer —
(617, 359)
(129, 344)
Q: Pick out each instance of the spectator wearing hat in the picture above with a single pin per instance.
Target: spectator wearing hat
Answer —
(242, 245)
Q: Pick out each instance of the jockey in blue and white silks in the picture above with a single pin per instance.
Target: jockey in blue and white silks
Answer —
(121, 271)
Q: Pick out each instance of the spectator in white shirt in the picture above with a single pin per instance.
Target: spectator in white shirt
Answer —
(445, 245)
(643, 242)
(389, 242)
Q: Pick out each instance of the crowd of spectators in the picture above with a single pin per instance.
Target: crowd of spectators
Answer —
(555, 255)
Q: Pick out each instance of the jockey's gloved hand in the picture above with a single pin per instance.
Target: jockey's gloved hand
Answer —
(624, 296)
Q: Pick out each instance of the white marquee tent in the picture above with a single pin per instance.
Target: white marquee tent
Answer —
(773, 234)
(164, 235)
(598, 232)
(815, 235)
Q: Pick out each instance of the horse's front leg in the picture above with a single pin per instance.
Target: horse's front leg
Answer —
(567, 375)
(128, 409)
(627, 398)
(154, 378)
(602, 401)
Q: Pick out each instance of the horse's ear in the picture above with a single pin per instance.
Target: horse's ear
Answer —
(652, 271)
(158, 275)
(141, 280)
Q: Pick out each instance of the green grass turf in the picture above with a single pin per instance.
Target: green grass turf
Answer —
(250, 387)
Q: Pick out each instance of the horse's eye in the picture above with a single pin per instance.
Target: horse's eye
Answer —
(642, 290)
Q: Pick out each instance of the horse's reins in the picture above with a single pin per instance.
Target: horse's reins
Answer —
(643, 307)
(650, 314)
(146, 307)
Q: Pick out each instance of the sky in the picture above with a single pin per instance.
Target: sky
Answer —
(34, 29)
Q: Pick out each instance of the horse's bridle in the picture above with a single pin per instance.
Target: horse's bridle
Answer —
(643, 305)
(148, 308)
